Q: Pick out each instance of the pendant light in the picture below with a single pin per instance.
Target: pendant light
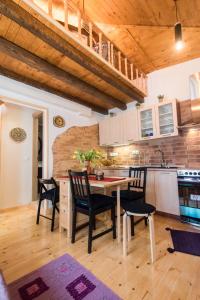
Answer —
(178, 31)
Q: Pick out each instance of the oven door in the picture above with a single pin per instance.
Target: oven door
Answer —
(189, 199)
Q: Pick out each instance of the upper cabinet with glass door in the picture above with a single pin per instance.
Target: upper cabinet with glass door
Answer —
(166, 117)
(147, 124)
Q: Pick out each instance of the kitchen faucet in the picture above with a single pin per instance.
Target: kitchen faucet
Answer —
(163, 161)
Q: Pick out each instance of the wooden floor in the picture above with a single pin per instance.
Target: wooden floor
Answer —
(25, 247)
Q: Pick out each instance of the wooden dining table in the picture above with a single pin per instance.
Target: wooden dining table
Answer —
(65, 221)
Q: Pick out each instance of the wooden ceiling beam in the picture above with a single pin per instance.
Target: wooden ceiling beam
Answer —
(12, 75)
(23, 18)
(40, 65)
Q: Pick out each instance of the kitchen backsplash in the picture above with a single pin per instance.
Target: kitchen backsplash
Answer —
(181, 150)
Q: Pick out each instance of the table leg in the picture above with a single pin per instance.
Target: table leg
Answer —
(69, 212)
(152, 238)
(118, 215)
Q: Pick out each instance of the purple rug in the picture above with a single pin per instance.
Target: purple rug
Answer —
(61, 279)
(185, 242)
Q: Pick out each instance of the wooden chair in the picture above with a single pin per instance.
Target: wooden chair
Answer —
(137, 208)
(89, 204)
(136, 190)
(49, 190)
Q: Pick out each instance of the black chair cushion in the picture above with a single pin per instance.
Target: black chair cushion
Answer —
(128, 195)
(98, 201)
(138, 207)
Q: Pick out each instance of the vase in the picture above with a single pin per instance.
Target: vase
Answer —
(88, 167)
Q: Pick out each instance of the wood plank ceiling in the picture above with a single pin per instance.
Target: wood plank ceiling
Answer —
(35, 51)
(144, 30)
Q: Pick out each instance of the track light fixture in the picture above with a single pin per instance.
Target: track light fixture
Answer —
(179, 44)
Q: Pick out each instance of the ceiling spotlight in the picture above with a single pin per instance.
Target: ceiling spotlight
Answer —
(178, 31)
(178, 36)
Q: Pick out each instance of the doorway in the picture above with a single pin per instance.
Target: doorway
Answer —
(37, 161)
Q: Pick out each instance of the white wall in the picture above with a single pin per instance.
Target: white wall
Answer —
(12, 91)
(16, 158)
(74, 114)
(173, 81)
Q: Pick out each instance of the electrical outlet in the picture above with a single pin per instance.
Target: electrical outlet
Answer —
(135, 152)
(113, 154)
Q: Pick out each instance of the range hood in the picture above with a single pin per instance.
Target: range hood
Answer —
(189, 114)
(195, 111)
(190, 109)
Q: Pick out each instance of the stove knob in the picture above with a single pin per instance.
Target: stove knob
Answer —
(198, 173)
(195, 173)
(186, 173)
(190, 173)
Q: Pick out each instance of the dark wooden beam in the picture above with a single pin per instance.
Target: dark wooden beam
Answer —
(45, 87)
(22, 17)
(40, 65)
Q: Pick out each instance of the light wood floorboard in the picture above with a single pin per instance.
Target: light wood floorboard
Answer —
(25, 246)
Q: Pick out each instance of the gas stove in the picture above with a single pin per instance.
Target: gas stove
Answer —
(189, 195)
(188, 173)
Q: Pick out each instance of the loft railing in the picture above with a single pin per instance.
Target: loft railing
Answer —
(91, 36)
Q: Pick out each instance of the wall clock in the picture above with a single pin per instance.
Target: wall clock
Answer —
(58, 121)
(18, 134)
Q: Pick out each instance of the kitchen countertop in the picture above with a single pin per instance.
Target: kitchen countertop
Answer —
(153, 167)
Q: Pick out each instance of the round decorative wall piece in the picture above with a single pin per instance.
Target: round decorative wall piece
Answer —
(58, 121)
(18, 134)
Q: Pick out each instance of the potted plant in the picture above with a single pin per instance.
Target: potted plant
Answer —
(87, 158)
(160, 98)
(137, 105)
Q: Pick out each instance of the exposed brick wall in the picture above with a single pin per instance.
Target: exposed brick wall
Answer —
(74, 138)
(181, 150)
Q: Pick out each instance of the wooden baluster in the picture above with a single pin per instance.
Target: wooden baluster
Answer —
(132, 72)
(112, 55)
(143, 85)
(126, 67)
(141, 81)
(50, 8)
(137, 83)
(100, 44)
(66, 11)
(79, 23)
(146, 86)
(90, 35)
(119, 61)
(109, 51)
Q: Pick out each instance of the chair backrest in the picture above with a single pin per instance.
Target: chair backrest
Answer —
(48, 188)
(80, 187)
(141, 174)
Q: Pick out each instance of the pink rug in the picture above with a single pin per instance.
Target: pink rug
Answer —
(61, 279)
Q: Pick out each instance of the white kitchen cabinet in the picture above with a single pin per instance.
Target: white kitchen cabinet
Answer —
(104, 132)
(116, 130)
(111, 131)
(166, 119)
(166, 190)
(130, 125)
(120, 129)
(147, 123)
(150, 188)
